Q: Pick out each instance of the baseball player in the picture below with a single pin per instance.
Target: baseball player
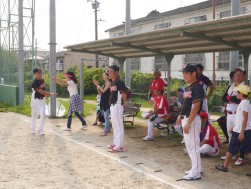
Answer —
(241, 135)
(190, 120)
(117, 104)
(161, 110)
(157, 82)
(37, 101)
(209, 138)
(206, 83)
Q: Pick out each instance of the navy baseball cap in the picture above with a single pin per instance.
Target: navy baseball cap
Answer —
(189, 68)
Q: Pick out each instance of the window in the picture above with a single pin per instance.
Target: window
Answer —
(196, 19)
(224, 60)
(164, 25)
(227, 13)
(118, 34)
(195, 58)
(160, 63)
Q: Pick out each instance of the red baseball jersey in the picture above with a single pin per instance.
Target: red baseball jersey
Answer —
(157, 83)
(160, 102)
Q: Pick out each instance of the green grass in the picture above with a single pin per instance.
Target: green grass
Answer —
(25, 109)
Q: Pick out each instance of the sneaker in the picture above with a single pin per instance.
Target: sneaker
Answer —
(147, 138)
(221, 167)
(40, 132)
(224, 157)
(239, 162)
(110, 146)
(183, 141)
(116, 149)
(67, 129)
(191, 177)
(83, 127)
(187, 172)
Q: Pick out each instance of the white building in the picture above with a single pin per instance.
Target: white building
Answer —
(178, 17)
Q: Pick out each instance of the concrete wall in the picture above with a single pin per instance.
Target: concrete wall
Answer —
(9, 94)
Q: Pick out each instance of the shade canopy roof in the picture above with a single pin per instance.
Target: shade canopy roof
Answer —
(232, 33)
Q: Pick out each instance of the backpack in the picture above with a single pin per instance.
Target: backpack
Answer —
(128, 92)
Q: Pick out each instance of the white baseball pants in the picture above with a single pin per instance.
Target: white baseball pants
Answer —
(117, 111)
(209, 150)
(37, 107)
(150, 126)
(192, 142)
(230, 125)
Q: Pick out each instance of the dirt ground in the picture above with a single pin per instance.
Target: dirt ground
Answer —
(79, 159)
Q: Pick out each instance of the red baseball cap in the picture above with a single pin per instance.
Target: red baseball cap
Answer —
(204, 114)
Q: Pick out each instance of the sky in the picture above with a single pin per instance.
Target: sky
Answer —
(75, 18)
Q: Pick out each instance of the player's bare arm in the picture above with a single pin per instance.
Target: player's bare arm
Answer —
(45, 93)
(244, 124)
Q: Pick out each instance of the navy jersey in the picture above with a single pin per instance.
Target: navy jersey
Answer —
(192, 93)
(38, 84)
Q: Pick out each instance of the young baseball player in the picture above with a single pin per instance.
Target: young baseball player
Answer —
(161, 109)
(190, 120)
(241, 133)
(117, 104)
(37, 101)
(209, 138)
(75, 102)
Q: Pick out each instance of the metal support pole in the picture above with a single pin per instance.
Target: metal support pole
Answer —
(82, 82)
(246, 57)
(214, 75)
(52, 57)
(169, 59)
(121, 64)
(234, 55)
(33, 32)
(21, 51)
(127, 32)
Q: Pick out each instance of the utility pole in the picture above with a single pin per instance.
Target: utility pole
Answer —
(127, 32)
(214, 76)
(234, 55)
(21, 51)
(95, 6)
(52, 56)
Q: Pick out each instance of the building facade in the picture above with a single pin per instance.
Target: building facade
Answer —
(178, 17)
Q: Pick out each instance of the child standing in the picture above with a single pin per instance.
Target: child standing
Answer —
(241, 134)
(75, 102)
(37, 101)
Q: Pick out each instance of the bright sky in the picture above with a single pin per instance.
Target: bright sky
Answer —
(75, 18)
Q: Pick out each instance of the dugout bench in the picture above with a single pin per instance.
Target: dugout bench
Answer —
(131, 110)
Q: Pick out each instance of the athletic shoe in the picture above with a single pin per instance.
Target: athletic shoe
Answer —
(116, 149)
(147, 138)
(221, 167)
(239, 162)
(187, 172)
(224, 157)
(183, 141)
(111, 146)
(40, 132)
(83, 127)
(191, 177)
(67, 129)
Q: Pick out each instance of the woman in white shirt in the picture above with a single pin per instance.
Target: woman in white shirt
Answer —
(75, 102)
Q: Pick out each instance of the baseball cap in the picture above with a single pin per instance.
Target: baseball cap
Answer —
(204, 114)
(189, 68)
(69, 74)
(37, 70)
(240, 69)
(244, 89)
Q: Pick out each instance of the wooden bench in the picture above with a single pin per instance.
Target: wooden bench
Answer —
(131, 110)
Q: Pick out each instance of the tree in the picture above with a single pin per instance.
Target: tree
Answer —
(153, 13)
